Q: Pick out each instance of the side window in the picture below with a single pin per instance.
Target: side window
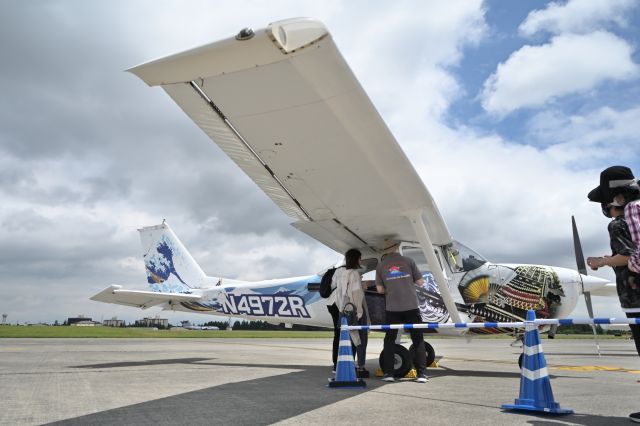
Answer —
(417, 255)
(368, 265)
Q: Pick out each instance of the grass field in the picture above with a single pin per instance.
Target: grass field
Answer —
(115, 332)
(111, 332)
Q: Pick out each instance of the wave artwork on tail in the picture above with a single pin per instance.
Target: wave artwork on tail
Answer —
(169, 266)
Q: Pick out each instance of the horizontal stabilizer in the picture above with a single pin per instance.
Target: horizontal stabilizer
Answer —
(140, 299)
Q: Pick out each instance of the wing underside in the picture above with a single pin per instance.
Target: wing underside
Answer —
(285, 107)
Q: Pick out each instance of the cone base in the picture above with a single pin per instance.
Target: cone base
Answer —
(527, 407)
(357, 384)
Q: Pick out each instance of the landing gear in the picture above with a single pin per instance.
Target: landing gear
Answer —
(431, 353)
(401, 362)
(403, 359)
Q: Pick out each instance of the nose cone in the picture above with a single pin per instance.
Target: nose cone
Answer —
(594, 284)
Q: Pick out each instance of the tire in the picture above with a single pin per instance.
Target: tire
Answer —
(402, 363)
(431, 353)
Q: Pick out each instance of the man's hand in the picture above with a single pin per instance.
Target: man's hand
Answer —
(596, 262)
(380, 289)
(420, 282)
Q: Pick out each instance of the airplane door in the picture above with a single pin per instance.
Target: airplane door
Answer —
(431, 304)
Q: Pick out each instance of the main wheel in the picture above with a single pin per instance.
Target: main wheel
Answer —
(431, 353)
(401, 361)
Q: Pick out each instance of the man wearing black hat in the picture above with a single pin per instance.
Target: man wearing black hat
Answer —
(619, 197)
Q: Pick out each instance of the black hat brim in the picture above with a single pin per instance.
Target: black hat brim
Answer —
(597, 195)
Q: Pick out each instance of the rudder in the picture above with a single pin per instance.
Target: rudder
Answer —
(169, 266)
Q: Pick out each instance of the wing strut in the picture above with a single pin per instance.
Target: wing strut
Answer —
(427, 248)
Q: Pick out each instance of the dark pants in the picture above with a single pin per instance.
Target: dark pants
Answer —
(361, 350)
(420, 355)
(635, 329)
(335, 316)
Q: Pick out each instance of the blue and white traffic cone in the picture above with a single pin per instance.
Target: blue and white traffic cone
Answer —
(535, 386)
(345, 368)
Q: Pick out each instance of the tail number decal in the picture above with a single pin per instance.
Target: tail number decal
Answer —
(264, 305)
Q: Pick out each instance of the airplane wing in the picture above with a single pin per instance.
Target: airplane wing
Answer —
(140, 299)
(285, 106)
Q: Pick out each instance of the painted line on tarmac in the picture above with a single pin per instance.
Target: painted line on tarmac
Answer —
(579, 368)
(593, 368)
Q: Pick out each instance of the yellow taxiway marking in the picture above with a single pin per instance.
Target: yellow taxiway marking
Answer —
(584, 368)
(592, 368)
(11, 348)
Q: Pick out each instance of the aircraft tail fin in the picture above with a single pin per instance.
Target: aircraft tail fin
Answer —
(170, 267)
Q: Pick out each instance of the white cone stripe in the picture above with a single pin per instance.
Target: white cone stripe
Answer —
(533, 350)
(345, 358)
(535, 375)
(345, 343)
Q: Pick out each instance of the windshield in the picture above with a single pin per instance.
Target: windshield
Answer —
(462, 259)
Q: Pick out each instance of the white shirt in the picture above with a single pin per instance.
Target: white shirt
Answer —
(348, 289)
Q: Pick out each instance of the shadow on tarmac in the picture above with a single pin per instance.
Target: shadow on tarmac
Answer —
(144, 363)
(574, 419)
(255, 402)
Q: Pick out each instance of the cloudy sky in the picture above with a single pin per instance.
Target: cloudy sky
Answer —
(509, 110)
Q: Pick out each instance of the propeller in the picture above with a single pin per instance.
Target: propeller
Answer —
(582, 269)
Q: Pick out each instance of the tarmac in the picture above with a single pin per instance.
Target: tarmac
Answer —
(283, 381)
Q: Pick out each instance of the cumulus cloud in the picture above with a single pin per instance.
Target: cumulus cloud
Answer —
(605, 135)
(89, 153)
(535, 75)
(577, 16)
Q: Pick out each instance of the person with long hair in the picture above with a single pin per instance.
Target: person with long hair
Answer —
(348, 283)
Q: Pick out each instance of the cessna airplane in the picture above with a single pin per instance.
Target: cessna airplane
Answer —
(284, 105)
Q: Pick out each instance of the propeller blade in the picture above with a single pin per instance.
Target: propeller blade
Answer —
(587, 299)
(577, 247)
(582, 269)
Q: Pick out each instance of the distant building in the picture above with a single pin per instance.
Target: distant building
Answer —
(113, 322)
(82, 321)
(153, 322)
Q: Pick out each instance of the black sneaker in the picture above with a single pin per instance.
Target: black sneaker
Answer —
(422, 378)
(362, 373)
(388, 378)
(635, 417)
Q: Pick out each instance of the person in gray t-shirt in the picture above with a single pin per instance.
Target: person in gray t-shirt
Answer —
(396, 278)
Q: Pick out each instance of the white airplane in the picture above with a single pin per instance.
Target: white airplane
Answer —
(188, 326)
(284, 105)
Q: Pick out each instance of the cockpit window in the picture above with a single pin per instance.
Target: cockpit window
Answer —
(462, 259)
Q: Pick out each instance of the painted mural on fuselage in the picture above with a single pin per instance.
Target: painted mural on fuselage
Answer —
(490, 293)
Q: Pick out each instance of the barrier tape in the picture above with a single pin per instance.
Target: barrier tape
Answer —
(521, 324)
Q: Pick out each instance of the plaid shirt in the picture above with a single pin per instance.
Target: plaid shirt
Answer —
(632, 216)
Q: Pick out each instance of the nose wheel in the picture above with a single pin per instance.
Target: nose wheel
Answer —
(430, 352)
